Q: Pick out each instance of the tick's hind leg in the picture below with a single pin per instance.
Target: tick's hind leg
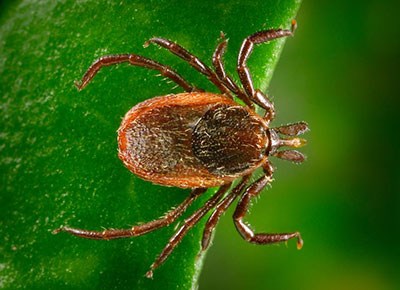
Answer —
(188, 224)
(242, 209)
(193, 60)
(135, 60)
(138, 230)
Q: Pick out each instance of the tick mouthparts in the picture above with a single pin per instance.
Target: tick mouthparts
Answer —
(293, 142)
(293, 129)
(290, 155)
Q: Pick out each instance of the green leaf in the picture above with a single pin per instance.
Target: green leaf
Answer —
(58, 159)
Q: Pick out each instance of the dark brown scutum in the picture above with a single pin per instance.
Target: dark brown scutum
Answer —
(229, 140)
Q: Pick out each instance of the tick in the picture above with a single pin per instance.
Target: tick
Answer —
(199, 139)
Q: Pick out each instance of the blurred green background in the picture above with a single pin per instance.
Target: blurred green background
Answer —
(339, 73)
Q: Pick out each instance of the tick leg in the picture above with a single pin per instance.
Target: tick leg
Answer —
(224, 78)
(188, 224)
(135, 60)
(193, 60)
(219, 210)
(138, 230)
(243, 70)
(242, 209)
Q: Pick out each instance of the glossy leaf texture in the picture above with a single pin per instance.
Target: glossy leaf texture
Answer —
(58, 149)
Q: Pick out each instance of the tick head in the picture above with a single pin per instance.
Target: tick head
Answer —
(286, 136)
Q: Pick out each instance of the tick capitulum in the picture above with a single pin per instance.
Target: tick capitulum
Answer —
(199, 140)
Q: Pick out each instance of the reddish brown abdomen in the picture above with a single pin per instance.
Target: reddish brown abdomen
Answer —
(157, 141)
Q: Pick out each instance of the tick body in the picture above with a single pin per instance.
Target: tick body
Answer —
(199, 140)
(192, 140)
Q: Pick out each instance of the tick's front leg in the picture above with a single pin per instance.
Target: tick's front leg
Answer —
(242, 208)
(243, 70)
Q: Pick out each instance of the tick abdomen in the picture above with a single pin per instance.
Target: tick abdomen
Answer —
(191, 140)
